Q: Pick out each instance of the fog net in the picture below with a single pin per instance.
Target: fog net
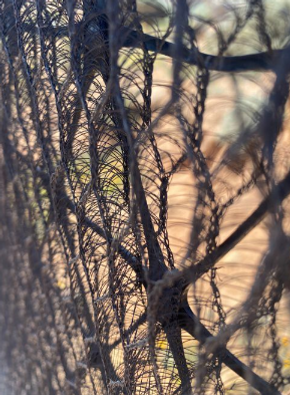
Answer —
(145, 174)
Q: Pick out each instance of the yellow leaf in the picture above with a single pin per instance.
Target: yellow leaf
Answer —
(162, 344)
(61, 284)
(285, 341)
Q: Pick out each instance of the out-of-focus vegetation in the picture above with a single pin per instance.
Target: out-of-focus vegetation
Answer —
(128, 184)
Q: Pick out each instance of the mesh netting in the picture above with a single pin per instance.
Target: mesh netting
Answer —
(144, 203)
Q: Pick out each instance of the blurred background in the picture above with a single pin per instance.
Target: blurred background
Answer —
(210, 147)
